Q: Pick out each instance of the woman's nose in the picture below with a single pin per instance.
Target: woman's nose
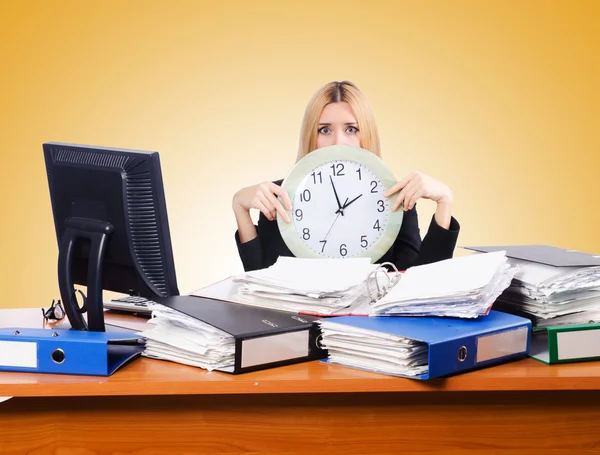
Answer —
(339, 138)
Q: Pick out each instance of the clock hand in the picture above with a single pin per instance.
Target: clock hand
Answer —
(338, 215)
(346, 204)
(339, 210)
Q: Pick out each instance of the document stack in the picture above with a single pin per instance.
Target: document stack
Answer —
(373, 350)
(553, 296)
(179, 338)
(318, 286)
(227, 337)
(425, 347)
(462, 287)
(553, 286)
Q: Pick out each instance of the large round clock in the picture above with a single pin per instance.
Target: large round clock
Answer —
(338, 207)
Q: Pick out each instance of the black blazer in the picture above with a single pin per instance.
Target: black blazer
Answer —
(407, 250)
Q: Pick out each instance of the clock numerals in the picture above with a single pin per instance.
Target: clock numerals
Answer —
(324, 242)
(305, 196)
(338, 169)
(339, 209)
(363, 241)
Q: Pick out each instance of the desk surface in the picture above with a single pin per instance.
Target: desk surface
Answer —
(154, 377)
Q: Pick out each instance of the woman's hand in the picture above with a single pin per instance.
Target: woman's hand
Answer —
(263, 197)
(416, 186)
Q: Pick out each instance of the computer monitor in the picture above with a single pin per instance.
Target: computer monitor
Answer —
(110, 217)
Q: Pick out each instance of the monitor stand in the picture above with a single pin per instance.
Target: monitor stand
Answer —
(97, 232)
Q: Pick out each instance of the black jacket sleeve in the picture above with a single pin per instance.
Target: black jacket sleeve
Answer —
(263, 250)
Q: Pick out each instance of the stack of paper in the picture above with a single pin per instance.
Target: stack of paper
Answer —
(312, 285)
(552, 295)
(183, 339)
(372, 350)
(463, 287)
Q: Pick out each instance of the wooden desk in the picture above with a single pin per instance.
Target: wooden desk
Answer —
(155, 407)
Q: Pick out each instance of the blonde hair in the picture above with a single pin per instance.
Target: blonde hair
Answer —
(337, 92)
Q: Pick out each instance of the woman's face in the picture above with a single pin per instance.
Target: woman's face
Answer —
(338, 126)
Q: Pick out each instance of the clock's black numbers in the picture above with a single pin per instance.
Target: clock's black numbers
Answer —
(299, 215)
(380, 206)
(306, 234)
(373, 186)
(376, 225)
(315, 175)
(359, 174)
(324, 242)
(305, 196)
(343, 250)
(363, 241)
(338, 169)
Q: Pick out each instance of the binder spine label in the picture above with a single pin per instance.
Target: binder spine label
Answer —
(578, 344)
(275, 348)
(21, 354)
(502, 344)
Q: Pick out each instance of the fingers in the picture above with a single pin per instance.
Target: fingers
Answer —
(399, 185)
(276, 190)
(272, 206)
(266, 197)
(265, 200)
(281, 192)
(412, 195)
(401, 199)
(279, 208)
(265, 206)
(412, 189)
(264, 210)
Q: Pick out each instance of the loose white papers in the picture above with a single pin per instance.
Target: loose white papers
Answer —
(464, 287)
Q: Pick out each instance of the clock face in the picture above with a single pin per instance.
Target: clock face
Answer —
(338, 207)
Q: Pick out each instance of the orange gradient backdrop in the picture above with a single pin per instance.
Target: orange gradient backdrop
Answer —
(498, 99)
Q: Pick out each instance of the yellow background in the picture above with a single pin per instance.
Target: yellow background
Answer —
(498, 99)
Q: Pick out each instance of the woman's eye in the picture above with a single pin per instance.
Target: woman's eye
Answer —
(352, 130)
(324, 130)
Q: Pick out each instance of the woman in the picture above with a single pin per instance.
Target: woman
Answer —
(339, 113)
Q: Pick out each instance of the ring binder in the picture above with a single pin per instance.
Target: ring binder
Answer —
(391, 282)
(427, 347)
(63, 351)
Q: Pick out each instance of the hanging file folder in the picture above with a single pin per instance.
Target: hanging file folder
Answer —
(60, 351)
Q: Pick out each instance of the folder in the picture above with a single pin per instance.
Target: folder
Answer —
(264, 338)
(59, 351)
(566, 343)
(544, 254)
(454, 345)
